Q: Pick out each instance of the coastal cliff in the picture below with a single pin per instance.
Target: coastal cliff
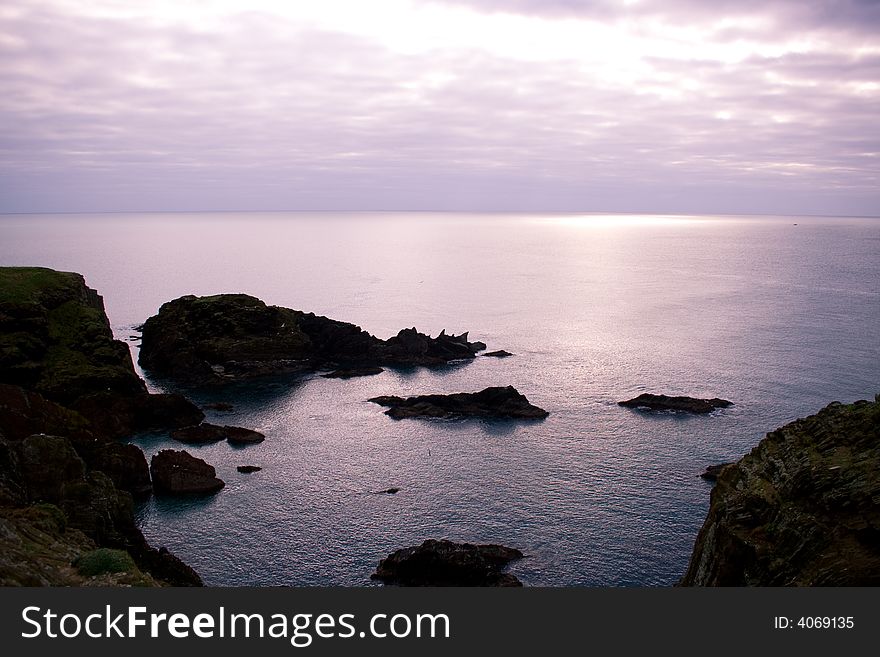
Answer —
(67, 391)
(801, 509)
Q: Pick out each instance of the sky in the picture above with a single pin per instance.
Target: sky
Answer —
(688, 106)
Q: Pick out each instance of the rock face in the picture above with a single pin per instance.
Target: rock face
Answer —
(199, 340)
(180, 473)
(444, 563)
(496, 402)
(212, 433)
(712, 472)
(684, 404)
(800, 509)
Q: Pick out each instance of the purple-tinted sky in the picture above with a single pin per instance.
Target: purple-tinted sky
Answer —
(727, 106)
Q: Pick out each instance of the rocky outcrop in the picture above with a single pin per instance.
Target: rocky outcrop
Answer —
(180, 473)
(501, 353)
(683, 404)
(54, 508)
(226, 337)
(116, 416)
(126, 466)
(800, 509)
(496, 402)
(444, 563)
(712, 472)
(55, 338)
(248, 469)
(212, 433)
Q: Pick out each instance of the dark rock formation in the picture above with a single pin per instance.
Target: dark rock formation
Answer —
(126, 466)
(684, 404)
(247, 469)
(444, 563)
(200, 340)
(212, 433)
(501, 353)
(800, 509)
(116, 415)
(494, 402)
(387, 491)
(55, 338)
(712, 472)
(178, 472)
(53, 508)
(352, 373)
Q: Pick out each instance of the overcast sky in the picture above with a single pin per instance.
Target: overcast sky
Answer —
(729, 106)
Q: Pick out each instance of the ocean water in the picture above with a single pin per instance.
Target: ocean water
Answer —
(779, 314)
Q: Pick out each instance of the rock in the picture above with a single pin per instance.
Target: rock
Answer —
(247, 469)
(800, 509)
(494, 402)
(55, 338)
(387, 491)
(24, 413)
(119, 416)
(353, 372)
(212, 433)
(218, 406)
(684, 404)
(226, 337)
(444, 563)
(501, 353)
(126, 466)
(178, 472)
(712, 472)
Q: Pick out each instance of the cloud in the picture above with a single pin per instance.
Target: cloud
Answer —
(437, 106)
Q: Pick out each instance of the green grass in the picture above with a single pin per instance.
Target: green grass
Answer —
(27, 284)
(103, 561)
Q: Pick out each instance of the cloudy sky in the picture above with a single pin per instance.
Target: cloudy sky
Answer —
(729, 106)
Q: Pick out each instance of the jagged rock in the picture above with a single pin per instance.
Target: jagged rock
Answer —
(444, 563)
(178, 472)
(501, 353)
(247, 469)
(354, 372)
(212, 433)
(712, 472)
(226, 337)
(684, 404)
(497, 402)
(800, 509)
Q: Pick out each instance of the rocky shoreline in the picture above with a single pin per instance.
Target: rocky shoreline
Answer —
(800, 509)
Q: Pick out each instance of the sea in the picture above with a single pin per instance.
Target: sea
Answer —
(780, 315)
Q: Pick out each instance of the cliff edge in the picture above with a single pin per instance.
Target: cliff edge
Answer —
(801, 509)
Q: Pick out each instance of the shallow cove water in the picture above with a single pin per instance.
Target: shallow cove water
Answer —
(779, 314)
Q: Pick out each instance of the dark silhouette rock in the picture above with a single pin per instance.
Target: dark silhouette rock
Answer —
(240, 436)
(444, 563)
(684, 404)
(501, 353)
(497, 402)
(118, 416)
(247, 469)
(216, 339)
(800, 509)
(353, 372)
(387, 491)
(24, 413)
(212, 433)
(178, 472)
(712, 472)
(126, 466)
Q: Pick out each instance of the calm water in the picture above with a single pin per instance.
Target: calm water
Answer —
(779, 318)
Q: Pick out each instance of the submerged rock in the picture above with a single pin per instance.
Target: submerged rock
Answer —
(444, 563)
(800, 509)
(247, 469)
(667, 403)
(226, 337)
(387, 491)
(501, 353)
(496, 402)
(179, 472)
